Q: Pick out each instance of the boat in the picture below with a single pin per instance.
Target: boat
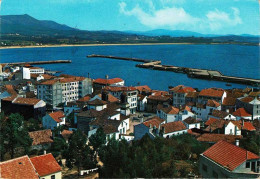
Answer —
(228, 84)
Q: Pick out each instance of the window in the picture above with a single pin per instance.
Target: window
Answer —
(247, 164)
(204, 168)
(53, 177)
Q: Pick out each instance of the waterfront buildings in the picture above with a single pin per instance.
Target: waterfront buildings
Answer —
(179, 94)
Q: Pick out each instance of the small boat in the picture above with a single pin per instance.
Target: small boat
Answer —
(228, 84)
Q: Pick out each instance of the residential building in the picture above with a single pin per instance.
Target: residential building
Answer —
(191, 123)
(42, 139)
(211, 93)
(46, 166)
(225, 160)
(141, 102)
(229, 104)
(28, 107)
(251, 105)
(173, 128)
(100, 83)
(36, 70)
(168, 113)
(97, 104)
(221, 115)
(241, 113)
(53, 120)
(57, 91)
(233, 128)
(150, 127)
(154, 100)
(179, 94)
(126, 95)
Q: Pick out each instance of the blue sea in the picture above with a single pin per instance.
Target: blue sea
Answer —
(234, 60)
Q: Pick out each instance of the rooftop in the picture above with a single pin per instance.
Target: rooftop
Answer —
(173, 127)
(108, 81)
(154, 122)
(241, 112)
(57, 115)
(41, 137)
(212, 92)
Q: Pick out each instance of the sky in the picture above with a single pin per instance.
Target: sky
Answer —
(203, 16)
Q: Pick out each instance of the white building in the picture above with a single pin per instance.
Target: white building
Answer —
(169, 114)
(36, 70)
(233, 128)
(173, 128)
(211, 93)
(191, 123)
(26, 73)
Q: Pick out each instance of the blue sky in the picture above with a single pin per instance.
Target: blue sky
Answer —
(204, 16)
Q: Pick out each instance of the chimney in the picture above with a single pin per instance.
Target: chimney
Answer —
(44, 152)
(237, 142)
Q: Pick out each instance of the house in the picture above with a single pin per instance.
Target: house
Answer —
(222, 115)
(53, 119)
(191, 97)
(28, 107)
(229, 104)
(70, 107)
(141, 102)
(169, 114)
(18, 168)
(191, 123)
(217, 126)
(233, 128)
(173, 128)
(179, 94)
(99, 83)
(126, 95)
(185, 112)
(241, 113)
(151, 127)
(46, 166)
(225, 160)
(42, 139)
(214, 138)
(211, 93)
(144, 90)
(251, 105)
(97, 104)
(154, 100)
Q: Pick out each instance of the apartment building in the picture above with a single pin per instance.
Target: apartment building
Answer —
(57, 91)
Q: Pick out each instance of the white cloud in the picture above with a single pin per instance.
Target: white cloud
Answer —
(173, 17)
(217, 19)
(169, 16)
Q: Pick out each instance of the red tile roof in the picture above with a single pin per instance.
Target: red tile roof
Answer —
(85, 98)
(18, 168)
(158, 98)
(191, 120)
(228, 155)
(241, 112)
(143, 88)
(210, 121)
(247, 99)
(57, 115)
(45, 164)
(173, 127)
(182, 89)
(212, 103)
(248, 126)
(154, 121)
(170, 110)
(119, 88)
(229, 101)
(213, 138)
(97, 102)
(41, 137)
(111, 98)
(212, 92)
(27, 101)
(66, 134)
(108, 81)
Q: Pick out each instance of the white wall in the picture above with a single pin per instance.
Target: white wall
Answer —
(231, 129)
(26, 73)
(175, 133)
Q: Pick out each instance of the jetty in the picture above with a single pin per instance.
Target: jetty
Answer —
(39, 62)
(191, 72)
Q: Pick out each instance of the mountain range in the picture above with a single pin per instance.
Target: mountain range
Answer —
(29, 26)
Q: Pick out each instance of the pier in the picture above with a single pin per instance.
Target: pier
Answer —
(39, 62)
(191, 72)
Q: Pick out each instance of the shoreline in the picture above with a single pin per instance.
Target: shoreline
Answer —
(86, 45)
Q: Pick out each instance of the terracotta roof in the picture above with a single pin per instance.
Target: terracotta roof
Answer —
(186, 107)
(143, 88)
(228, 155)
(158, 98)
(173, 127)
(248, 126)
(254, 94)
(210, 121)
(212, 103)
(219, 114)
(109, 129)
(191, 120)
(18, 168)
(154, 121)
(66, 134)
(170, 110)
(192, 95)
(159, 93)
(218, 124)
(57, 115)
(108, 81)
(45, 164)
(119, 88)
(212, 92)
(182, 89)
(85, 98)
(229, 101)
(247, 99)
(41, 137)
(63, 80)
(35, 68)
(241, 112)
(10, 89)
(202, 106)
(208, 137)
(110, 97)
(27, 101)
(49, 82)
(97, 102)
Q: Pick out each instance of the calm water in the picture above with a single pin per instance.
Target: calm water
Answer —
(235, 60)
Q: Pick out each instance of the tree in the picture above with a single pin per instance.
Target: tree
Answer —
(16, 135)
(98, 139)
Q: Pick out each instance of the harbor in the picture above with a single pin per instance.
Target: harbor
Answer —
(191, 72)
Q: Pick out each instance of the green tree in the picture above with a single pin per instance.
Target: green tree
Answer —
(98, 139)
(16, 135)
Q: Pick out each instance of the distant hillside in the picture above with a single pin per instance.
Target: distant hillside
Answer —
(26, 30)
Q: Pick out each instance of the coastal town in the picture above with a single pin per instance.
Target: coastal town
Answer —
(64, 126)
